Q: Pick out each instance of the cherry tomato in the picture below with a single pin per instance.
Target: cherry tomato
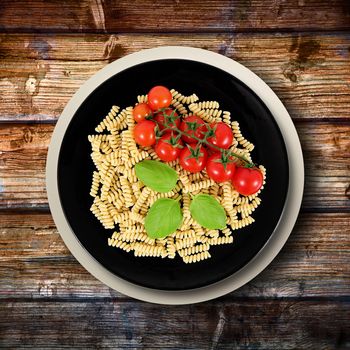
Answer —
(141, 111)
(223, 135)
(159, 118)
(144, 133)
(190, 163)
(159, 97)
(218, 171)
(188, 125)
(247, 181)
(168, 147)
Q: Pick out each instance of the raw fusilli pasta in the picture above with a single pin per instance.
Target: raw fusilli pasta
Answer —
(121, 201)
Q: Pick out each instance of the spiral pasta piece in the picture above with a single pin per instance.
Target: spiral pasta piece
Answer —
(226, 117)
(104, 215)
(181, 109)
(142, 199)
(194, 250)
(133, 236)
(170, 247)
(115, 198)
(239, 137)
(226, 231)
(130, 143)
(186, 242)
(108, 180)
(95, 184)
(120, 244)
(142, 98)
(195, 186)
(142, 249)
(242, 223)
(125, 186)
(227, 201)
(212, 233)
(177, 96)
(196, 110)
(108, 120)
(188, 259)
(186, 205)
(208, 104)
(136, 228)
(185, 234)
(220, 240)
(136, 158)
(114, 141)
(101, 137)
(197, 176)
(121, 217)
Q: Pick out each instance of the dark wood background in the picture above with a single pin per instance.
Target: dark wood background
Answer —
(300, 48)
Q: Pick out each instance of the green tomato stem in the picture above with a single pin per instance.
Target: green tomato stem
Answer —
(173, 127)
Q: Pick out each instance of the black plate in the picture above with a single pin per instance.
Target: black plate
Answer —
(209, 83)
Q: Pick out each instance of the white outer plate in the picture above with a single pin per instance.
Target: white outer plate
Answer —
(288, 216)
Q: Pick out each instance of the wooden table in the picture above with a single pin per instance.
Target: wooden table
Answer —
(300, 48)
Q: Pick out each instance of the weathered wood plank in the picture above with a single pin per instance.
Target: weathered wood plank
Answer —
(40, 73)
(24, 149)
(129, 325)
(179, 16)
(36, 264)
(22, 165)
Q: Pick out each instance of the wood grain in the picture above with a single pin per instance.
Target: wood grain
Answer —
(236, 325)
(35, 264)
(300, 48)
(326, 151)
(176, 16)
(40, 73)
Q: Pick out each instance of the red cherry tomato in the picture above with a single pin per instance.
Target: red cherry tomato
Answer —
(159, 97)
(168, 147)
(144, 133)
(223, 135)
(190, 163)
(159, 118)
(218, 171)
(194, 126)
(141, 111)
(247, 181)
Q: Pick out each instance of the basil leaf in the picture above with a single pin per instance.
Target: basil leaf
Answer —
(163, 218)
(156, 175)
(207, 211)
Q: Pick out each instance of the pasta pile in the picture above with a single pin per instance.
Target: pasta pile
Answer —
(121, 201)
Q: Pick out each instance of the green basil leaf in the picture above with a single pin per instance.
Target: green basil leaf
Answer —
(207, 211)
(163, 218)
(156, 175)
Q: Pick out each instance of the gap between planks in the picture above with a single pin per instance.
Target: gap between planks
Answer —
(40, 73)
(248, 30)
(224, 300)
(192, 15)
